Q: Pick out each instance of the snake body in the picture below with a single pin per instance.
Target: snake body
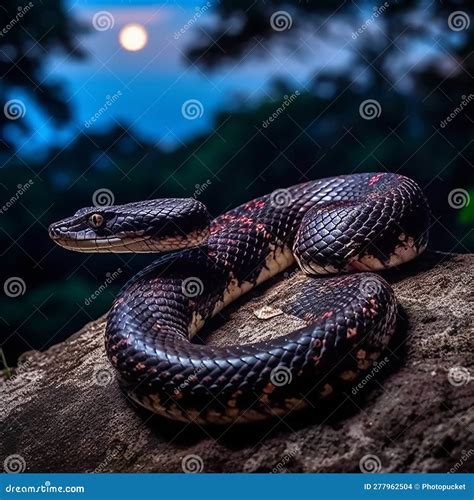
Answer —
(343, 224)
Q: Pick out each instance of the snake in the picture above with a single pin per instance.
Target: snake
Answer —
(338, 230)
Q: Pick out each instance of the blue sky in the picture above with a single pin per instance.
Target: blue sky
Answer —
(153, 83)
(156, 81)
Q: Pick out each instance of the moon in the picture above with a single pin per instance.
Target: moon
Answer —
(133, 37)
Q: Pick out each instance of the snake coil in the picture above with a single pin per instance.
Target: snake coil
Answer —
(347, 225)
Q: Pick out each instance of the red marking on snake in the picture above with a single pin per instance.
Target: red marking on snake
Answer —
(140, 366)
(316, 343)
(216, 228)
(246, 220)
(351, 332)
(375, 179)
(254, 204)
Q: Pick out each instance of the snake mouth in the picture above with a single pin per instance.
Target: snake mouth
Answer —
(107, 244)
(126, 244)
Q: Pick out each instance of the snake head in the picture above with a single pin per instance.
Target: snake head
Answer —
(145, 226)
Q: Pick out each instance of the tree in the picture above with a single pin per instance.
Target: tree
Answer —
(28, 35)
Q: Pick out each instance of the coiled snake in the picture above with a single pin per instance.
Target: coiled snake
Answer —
(360, 222)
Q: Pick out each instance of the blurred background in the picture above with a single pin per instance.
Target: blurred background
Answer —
(114, 101)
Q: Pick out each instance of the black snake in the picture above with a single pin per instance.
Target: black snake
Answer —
(359, 222)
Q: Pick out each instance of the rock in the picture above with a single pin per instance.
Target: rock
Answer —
(63, 412)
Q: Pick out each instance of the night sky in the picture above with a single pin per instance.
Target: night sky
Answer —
(154, 82)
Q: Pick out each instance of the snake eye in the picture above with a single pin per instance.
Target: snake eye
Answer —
(96, 220)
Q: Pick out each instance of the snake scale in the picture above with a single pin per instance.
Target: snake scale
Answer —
(346, 225)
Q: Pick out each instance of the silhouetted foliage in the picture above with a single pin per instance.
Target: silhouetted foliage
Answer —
(29, 34)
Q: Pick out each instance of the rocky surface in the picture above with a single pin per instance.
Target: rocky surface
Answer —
(62, 410)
